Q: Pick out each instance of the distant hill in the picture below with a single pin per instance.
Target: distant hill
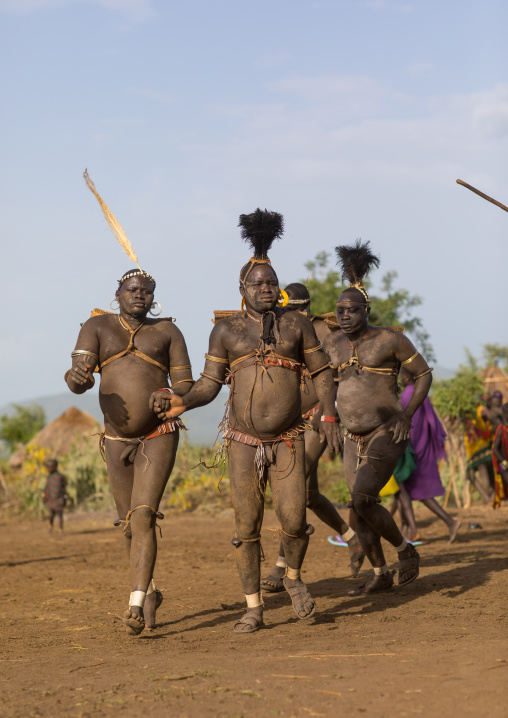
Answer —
(202, 423)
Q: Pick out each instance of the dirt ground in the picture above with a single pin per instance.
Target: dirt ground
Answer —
(435, 648)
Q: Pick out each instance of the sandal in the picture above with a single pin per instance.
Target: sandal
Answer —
(299, 596)
(409, 566)
(272, 584)
(382, 582)
(253, 621)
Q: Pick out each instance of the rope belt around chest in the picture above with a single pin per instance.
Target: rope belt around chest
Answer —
(131, 349)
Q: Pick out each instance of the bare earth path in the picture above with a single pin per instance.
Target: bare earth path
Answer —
(438, 647)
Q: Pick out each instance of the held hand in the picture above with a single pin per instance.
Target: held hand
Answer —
(400, 426)
(162, 399)
(331, 433)
(177, 408)
(82, 372)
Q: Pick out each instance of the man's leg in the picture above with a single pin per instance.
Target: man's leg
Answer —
(51, 519)
(407, 514)
(287, 481)
(60, 522)
(324, 510)
(373, 520)
(248, 504)
(139, 488)
(453, 524)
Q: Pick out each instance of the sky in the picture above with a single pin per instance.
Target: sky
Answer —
(352, 119)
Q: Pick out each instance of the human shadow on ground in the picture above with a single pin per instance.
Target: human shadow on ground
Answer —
(475, 571)
(40, 560)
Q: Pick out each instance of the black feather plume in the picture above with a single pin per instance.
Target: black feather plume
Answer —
(355, 261)
(260, 229)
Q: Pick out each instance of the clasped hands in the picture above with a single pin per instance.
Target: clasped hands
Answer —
(166, 406)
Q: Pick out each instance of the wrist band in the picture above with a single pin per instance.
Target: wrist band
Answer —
(329, 419)
(167, 391)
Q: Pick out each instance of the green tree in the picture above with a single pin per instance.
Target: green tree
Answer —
(454, 398)
(391, 308)
(22, 425)
(496, 354)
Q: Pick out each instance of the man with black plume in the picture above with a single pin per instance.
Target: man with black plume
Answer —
(260, 352)
(368, 360)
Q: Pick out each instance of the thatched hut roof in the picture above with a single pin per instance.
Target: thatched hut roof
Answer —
(60, 434)
(495, 379)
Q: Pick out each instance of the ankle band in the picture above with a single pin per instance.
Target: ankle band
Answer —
(254, 600)
(137, 598)
(281, 562)
(292, 573)
(350, 533)
(151, 587)
(380, 571)
(402, 546)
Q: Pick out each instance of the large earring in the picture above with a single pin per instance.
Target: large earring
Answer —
(283, 298)
(244, 307)
(111, 304)
(155, 304)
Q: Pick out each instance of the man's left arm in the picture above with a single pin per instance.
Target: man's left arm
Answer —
(319, 368)
(414, 364)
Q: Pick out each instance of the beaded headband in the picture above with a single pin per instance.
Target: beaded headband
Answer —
(136, 273)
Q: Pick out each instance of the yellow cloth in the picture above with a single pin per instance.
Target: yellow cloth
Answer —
(389, 488)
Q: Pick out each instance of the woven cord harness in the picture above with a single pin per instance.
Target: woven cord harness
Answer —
(131, 349)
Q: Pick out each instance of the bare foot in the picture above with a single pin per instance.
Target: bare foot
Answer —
(302, 601)
(273, 582)
(133, 620)
(356, 556)
(152, 602)
(251, 622)
(454, 530)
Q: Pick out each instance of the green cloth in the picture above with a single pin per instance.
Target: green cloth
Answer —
(406, 465)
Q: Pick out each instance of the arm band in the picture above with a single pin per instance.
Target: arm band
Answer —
(408, 361)
(219, 360)
(427, 371)
(182, 381)
(213, 378)
(314, 349)
(316, 371)
(79, 352)
(187, 366)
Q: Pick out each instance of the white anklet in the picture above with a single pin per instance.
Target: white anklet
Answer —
(350, 533)
(281, 562)
(380, 571)
(402, 546)
(151, 587)
(254, 600)
(292, 573)
(137, 598)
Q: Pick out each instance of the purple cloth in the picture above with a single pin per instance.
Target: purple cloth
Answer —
(427, 439)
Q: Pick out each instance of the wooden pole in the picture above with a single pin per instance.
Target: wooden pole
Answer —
(481, 194)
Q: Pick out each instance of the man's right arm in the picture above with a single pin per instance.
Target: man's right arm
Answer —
(85, 358)
(212, 379)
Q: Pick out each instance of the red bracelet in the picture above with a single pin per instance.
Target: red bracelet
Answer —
(168, 391)
(329, 419)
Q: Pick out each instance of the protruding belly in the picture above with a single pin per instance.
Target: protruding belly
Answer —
(265, 405)
(365, 402)
(126, 387)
